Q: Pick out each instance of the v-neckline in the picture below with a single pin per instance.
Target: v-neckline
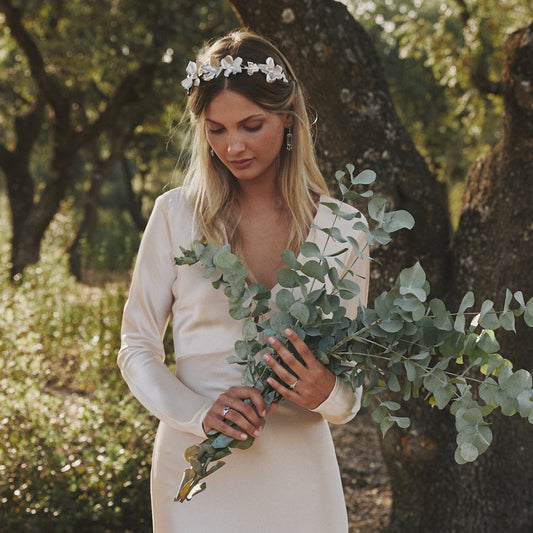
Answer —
(310, 235)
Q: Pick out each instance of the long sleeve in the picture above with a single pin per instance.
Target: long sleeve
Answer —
(344, 403)
(146, 316)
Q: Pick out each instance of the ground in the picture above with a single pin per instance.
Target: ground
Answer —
(364, 475)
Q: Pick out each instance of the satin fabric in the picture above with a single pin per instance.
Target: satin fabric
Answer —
(289, 480)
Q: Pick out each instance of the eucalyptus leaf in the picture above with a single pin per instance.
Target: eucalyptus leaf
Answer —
(366, 177)
(288, 257)
(412, 281)
(300, 311)
(288, 278)
(397, 220)
(314, 270)
(284, 299)
(310, 249)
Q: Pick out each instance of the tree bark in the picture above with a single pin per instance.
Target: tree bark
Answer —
(341, 71)
(492, 252)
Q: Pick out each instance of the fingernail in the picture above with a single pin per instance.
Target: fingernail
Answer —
(289, 332)
(244, 436)
(267, 357)
(272, 340)
(257, 432)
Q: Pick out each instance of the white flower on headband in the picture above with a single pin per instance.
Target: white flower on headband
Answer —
(197, 72)
(231, 66)
(193, 75)
(210, 71)
(272, 71)
(252, 68)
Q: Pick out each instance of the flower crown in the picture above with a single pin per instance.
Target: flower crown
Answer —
(197, 72)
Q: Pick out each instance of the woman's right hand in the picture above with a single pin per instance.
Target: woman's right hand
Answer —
(230, 406)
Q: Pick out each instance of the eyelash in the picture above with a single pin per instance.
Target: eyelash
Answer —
(251, 129)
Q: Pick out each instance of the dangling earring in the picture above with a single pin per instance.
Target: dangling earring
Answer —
(212, 152)
(289, 139)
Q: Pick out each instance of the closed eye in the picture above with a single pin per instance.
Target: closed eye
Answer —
(253, 128)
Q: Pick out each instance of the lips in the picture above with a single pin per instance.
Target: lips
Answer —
(241, 163)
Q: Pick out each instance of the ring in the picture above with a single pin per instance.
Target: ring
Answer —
(294, 384)
(225, 412)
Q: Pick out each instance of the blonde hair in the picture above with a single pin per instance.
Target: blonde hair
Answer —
(208, 182)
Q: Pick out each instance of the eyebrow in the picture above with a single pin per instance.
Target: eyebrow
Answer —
(259, 115)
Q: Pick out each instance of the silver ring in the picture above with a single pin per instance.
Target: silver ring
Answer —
(225, 411)
(294, 384)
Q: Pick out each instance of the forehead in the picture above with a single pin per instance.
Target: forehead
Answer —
(229, 106)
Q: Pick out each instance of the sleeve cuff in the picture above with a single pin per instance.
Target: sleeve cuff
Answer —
(342, 404)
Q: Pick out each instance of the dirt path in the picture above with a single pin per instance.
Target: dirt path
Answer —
(364, 476)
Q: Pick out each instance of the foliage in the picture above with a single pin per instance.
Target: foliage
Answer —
(87, 66)
(443, 60)
(405, 343)
(74, 449)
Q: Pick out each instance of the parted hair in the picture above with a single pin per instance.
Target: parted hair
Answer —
(210, 185)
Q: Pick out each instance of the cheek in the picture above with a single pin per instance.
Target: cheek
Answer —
(215, 143)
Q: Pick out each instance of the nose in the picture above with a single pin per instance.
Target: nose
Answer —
(235, 144)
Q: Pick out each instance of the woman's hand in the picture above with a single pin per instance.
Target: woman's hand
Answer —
(230, 406)
(309, 383)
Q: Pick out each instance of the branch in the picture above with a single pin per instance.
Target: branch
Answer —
(131, 89)
(28, 127)
(51, 90)
(6, 157)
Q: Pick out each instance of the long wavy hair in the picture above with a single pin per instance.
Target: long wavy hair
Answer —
(210, 185)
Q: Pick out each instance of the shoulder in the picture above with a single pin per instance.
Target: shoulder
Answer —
(174, 204)
(176, 197)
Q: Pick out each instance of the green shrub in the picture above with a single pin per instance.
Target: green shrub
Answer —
(74, 445)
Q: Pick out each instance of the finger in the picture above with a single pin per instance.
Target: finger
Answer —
(233, 432)
(286, 392)
(301, 347)
(288, 358)
(219, 419)
(239, 405)
(281, 372)
(247, 393)
(242, 423)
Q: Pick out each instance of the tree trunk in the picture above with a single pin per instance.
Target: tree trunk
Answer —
(341, 71)
(492, 252)
(101, 168)
(134, 201)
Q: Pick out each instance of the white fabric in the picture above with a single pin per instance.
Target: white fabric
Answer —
(288, 481)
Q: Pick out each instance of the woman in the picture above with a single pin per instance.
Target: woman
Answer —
(253, 181)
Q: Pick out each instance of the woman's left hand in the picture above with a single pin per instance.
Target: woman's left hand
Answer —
(309, 383)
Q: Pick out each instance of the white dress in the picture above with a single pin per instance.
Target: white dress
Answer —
(289, 480)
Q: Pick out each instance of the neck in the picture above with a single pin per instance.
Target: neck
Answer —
(265, 194)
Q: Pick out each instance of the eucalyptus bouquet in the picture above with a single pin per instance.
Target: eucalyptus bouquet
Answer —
(405, 344)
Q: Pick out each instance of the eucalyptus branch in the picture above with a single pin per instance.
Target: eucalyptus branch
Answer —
(416, 339)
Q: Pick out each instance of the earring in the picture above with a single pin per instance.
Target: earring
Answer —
(289, 139)
(212, 152)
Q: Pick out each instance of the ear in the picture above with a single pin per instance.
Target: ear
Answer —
(289, 120)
